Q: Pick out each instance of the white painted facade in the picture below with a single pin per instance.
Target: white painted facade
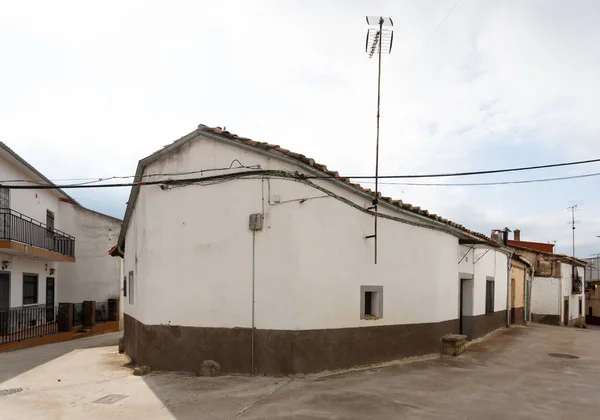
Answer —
(190, 252)
(544, 296)
(484, 263)
(96, 275)
(567, 284)
(33, 204)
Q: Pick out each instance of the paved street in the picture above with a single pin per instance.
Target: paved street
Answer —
(508, 376)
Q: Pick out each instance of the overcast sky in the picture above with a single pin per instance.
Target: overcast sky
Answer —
(89, 88)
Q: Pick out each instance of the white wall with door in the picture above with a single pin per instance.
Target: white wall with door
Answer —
(310, 260)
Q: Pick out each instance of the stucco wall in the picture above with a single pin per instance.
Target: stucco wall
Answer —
(32, 203)
(95, 275)
(310, 259)
(544, 296)
(18, 266)
(517, 275)
(567, 285)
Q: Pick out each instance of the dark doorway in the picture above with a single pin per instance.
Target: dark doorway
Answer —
(49, 299)
(566, 312)
(466, 307)
(4, 291)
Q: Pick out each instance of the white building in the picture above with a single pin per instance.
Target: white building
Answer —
(557, 288)
(49, 245)
(232, 254)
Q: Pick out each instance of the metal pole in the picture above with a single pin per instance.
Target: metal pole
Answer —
(573, 221)
(253, 281)
(377, 142)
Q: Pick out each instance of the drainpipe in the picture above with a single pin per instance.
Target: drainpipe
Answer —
(255, 224)
(253, 300)
(508, 266)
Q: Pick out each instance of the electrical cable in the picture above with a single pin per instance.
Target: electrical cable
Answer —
(438, 175)
(469, 184)
(261, 173)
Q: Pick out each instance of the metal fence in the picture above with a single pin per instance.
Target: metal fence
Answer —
(102, 311)
(18, 227)
(23, 323)
(78, 314)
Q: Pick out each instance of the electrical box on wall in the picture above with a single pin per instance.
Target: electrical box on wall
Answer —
(256, 221)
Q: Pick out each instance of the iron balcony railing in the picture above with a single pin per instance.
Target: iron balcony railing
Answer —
(15, 226)
(23, 323)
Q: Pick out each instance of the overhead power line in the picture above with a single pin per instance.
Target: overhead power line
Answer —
(469, 184)
(273, 173)
(408, 176)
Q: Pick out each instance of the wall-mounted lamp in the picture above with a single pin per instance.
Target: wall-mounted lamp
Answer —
(52, 271)
(5, 265)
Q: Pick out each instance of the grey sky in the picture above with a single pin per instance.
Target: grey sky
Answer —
(88, 89)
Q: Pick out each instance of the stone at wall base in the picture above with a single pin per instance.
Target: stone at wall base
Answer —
(453, 344)
(141, 370)
(209, 368)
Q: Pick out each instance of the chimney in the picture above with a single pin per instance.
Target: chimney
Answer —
(517, 234)
(505, 236)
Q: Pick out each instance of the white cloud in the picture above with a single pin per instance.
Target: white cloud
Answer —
(89, 89)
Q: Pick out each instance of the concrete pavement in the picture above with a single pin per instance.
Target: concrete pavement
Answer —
(507, 376)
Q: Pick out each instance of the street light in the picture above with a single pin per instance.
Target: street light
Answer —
(379, 40)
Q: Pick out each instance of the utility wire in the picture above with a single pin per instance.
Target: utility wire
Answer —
(439, 175)
(469, 184)
(261, 174)
(422, 47)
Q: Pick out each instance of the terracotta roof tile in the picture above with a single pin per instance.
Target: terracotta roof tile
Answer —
(323, 168)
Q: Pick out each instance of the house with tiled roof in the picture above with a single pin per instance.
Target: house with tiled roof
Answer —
(52, 250)
(262, 260)
(555, 294)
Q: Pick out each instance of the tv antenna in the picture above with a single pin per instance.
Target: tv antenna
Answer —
(573, 207)
(379, 41)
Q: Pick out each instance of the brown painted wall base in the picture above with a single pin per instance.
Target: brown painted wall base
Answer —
(112, 326)
(485, 324)
(517, 316)
(592, 320)
(546, 319)
(177, 348)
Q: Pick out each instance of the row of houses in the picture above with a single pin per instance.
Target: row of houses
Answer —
(262, 260)
(52, 250)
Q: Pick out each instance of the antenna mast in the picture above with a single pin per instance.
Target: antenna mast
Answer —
(378, 41)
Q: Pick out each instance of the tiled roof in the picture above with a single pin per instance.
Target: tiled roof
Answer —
(334, 174)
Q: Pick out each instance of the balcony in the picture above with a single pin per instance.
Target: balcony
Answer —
(22, 235)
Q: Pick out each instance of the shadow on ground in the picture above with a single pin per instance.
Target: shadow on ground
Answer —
(510, 375)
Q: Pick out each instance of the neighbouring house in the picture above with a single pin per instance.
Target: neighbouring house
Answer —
(42, 233)
(521, 273)
(95, 276)
(263, 260)
(557, 292)
(592, 290)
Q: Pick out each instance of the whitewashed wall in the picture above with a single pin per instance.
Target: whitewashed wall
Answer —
(311, 258)
(544, 296)
(32, 203)
(490, 263)
(19, 266)
(95, 275)
(567, 284)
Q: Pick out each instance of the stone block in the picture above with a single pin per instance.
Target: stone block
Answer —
(209, 368)
(141, 370)
(453, 344)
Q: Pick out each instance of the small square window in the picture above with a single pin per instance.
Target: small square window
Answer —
(371, 302)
